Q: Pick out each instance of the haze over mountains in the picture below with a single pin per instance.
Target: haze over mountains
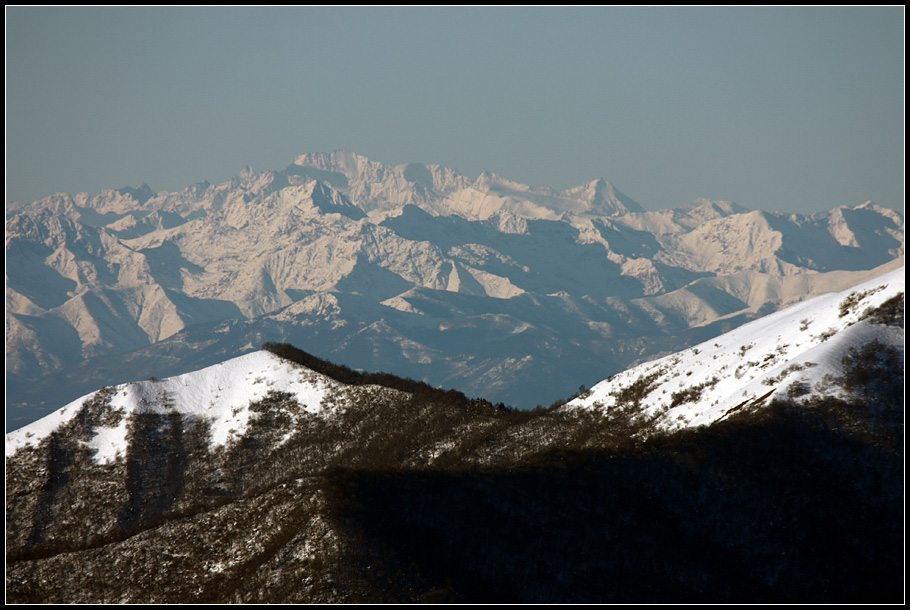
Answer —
(514, 293)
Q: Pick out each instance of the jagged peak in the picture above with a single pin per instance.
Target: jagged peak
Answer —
(141, 194)
(246, 173)
(484, 180)
(868, 206)
(603, 198)
(328, 200)
(874, 207)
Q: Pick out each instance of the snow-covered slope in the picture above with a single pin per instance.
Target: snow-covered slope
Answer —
(220, 394)
(414, 269)
(796, 353)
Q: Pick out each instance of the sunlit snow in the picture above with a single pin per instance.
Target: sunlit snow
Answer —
(758, 361)
(221, 394)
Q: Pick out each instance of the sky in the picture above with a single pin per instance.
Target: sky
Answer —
(774, 108)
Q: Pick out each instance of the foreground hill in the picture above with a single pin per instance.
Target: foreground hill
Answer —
(414, 269)
(280, 477)
(792, 354)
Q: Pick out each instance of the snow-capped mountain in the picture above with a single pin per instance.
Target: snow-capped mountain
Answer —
(499, 289)
(796, 353)
(220, 395)
(762, 466)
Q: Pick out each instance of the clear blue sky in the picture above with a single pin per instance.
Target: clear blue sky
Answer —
(788, 109)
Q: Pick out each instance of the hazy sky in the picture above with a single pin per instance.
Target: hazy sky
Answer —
(790, 109)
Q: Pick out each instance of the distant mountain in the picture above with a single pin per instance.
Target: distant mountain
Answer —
(763, 466)
(516, 293)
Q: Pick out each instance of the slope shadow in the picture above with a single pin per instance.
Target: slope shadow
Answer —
(156, 464)
(787, 509)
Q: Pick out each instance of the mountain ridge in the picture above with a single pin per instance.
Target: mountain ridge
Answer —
(409, 251)
(793, 353)
(840, 313)
(279, 477)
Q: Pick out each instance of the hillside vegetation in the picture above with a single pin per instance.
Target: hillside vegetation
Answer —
(414, 494)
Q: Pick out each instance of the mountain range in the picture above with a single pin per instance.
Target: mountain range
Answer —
(501, 290)
(762, 465)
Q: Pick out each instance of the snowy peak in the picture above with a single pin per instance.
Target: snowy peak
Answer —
(89, 277)
(140, 194)
(344, 162)
(488, 182)
(797, 353)
(444, 191)
(220, 394)
(603, 199)
(372, 185)
(708, 209)
(865, 226)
